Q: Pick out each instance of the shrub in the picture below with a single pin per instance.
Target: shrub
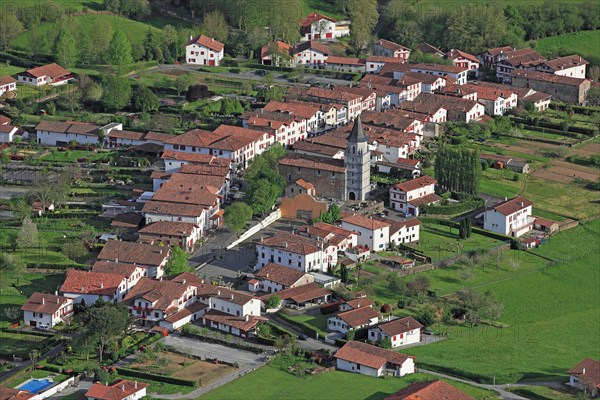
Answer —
(197, 92)
(156, 377)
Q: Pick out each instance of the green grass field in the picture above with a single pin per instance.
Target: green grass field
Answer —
(69, 5)
(318, 323)
(541, 393)
(270, 383)
(584, 43)
(38, 374)
(547, 312)
(18, 344)
(10, 70)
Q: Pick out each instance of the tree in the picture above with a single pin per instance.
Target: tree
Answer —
(100, 36)
(215, 25)
(33, 356)
(386, 343)
(262, 196)
(594, 96)
(10, 263)
(364, 16)
(458, 169)
(152, 47)
(237, 215)
(273, 302)
(350, 335)
(144, 100)
(107, 322)
(119, 50)
(48, 190)
(283, 21)
(28, 234)
(20, 208)
(74, 250)
(264, 330)
(36, 42)
(10, 27)
(594, 73)
(178, 262)
(426, 316)
(197, 92)
(116, 93)
(65, 49)
(183, 82)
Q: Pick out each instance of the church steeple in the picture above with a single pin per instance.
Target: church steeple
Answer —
(357, 135)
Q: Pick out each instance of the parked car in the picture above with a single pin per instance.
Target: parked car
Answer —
(302, 336)
(260, 72)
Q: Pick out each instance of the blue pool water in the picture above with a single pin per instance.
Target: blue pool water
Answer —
(36, 385)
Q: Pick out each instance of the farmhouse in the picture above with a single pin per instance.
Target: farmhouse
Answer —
(9, 132)
(573, 66)
(50, 74)
(149, 257)
(319, 26)
(408, 196)
(274, 278)
(374, 64)
(458, 109)
(176, 212)
(44, 310)
(310, 53)
(371, 360)
(353, 319)
(182, 234)
(406, 231)
(522, 59)
(175, 159)
(511, 217)
(541, 101)
(90, 286)
(120, 390)
(304, 295)
(7, 84)
(433, 390)
(462, 59)
(203, 50)
(586, 376)
(459, 74)
(400, 331)
(387, 48)
(243, 326)
(426, 48)
(277, 53)
(346, 64)
(372, 233)
(342, 238)
(352, 101)
(56, 133)
(133, 273)
(562, 88)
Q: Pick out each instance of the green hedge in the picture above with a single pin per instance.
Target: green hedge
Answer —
(576, 109)
(155, 377)
(555, 126)
(499, 379)
(491, 234)
(452, 208)
(554, 131)
(269, 67)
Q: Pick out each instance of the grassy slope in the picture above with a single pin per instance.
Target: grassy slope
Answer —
(548, 312)
(270, 383)
(581, 43)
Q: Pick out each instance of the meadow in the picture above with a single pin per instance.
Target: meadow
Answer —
(271, 383)
(547, 312)
(572, 43)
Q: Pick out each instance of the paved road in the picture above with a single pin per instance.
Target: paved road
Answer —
(311, 344)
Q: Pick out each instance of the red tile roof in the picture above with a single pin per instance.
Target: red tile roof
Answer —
(429, 49)
(400, 325)
(365, 222)
(45, 303)
(513, 205)
(360, 302)
(453, 54)
(369, 355)
(52, 70)
(301, 109)
(333, 229)
(281, 46)
(130, 135)
(129, 220)
(315, 17)
(4, 120)
(245, 323)
(67, 127)
(6, 80)
(427, 199)
(292, 243)
(313, 162)
(115, 268)
(302, 293)
(117, 391)
(14, 394)
(438, 67)
(560, 63)
(186, 312)
(185, 156)
(346, 60)
(416, 183)
(97, 283)
(588, 372)
(133, 253)
(433, 390)
(176, 209)
(358, 316)
(207, 42)
(206, 169)
(279, 274)
(169, 228)
(312, 45)
(389, 45)
(499, 50)
(303, 184)
(545, 77)
(332, 95)
(162, 294)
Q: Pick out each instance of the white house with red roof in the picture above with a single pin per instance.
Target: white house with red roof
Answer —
(171, 233)
(319, 26)
(374, 234)
(371, 360)
(388, 48)
(45, 310)
(132, 272)
(362, 316)
(406, 231)
(204, 50)
(297, 252)
(573, 66)
(120, 390)
(429, 390)
(90, 286)
(586, 376)
(274, 278)
(459, 74)
(511, 217)
(400, 331)
(408, 196)
(50, 74)
(463, 59)
(151, 258)
(277, 53)
(7, 84)
(311, 53)
(9, 132)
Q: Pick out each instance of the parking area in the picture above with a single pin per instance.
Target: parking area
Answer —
(211, 350)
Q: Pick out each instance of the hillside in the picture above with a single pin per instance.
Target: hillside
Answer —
(584, 43)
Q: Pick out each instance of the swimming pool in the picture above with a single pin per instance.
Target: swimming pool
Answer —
(36, 385)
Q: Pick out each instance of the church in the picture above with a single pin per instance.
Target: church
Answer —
(345, 179)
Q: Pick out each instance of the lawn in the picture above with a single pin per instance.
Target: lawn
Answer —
(18, 344)
(541, 393)
(322, 7)
(572, 43)
(38, 374)
(270, 383)
(15, 290)
(69, 5)
(442, 242)
(547, 312)
(9, 69)
(66, 156)
(318, 322)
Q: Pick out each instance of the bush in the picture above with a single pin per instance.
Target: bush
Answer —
(197, 92)
(156, 377)
(234, 70)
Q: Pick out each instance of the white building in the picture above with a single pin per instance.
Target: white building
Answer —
(511, 217)
(274, 278)
(8, 133)
(407, 231)
(356, 318)
(310, 53)
(7, 84)
(400, 331)
(408, 196)
(149, 257)
(51, 74)
(90, 286)
(133, 273)
(573, 66)
(44, 310)
(296, 252)
(120, 390)
(371, 360)
(459, 74)
(319, 26)
(586, 376)
(387, 48)
(465, 60)
(372, 233)
(203, 50)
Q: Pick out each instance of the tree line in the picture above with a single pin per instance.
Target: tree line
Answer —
(458, 169)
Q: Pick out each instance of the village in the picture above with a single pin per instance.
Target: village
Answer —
(300, 216)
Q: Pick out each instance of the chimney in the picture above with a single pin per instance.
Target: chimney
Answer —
(101, 285)
(183, 282)
(57, 300)
(191, 37)
(583, 372)
(285, 244)
(247, 318)
(116, 260)
(135, 385)
(123, 387)
(267, 274)
(43, 300)
(231, 296)
(218, 292)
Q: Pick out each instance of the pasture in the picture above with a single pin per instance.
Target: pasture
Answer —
(581, 43)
